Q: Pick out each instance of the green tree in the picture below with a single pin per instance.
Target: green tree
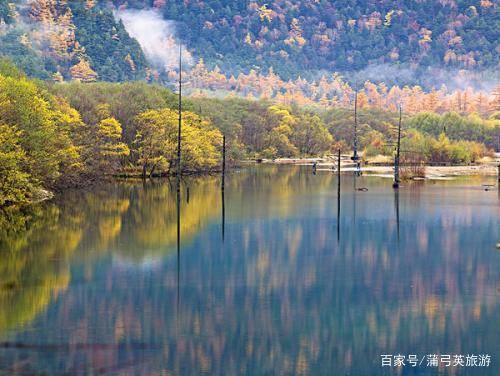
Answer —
(440, 149)
(427, 122)
(311, 136)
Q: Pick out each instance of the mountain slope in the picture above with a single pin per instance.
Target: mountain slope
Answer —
(69, 40)
(393, 40)
(294, 36)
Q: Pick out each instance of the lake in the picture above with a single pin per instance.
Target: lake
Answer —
(270, 277)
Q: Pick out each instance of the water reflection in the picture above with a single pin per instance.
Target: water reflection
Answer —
(396, 210)
(95, 284)
(178, 208)
(34, 264)
(223, 206)
(338, 208)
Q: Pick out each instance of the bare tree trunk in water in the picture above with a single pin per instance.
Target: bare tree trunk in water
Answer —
(152, 170)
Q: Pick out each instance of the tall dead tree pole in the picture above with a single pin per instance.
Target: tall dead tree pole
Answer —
(398, 151)
(355, 154)
(179, 131)
(223, 184)
(178, 179)
(338, 196)
(178, 207)
(223, 158)
(338, 165)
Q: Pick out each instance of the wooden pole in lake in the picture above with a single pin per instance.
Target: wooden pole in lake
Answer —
(355, 153)
(223, 213)
(354, 177)
(223, 183)
(338, 166)
(396, 207)
(338, 196)
(178, 207)
(178, 177)
(223, 158)
(179, 131)
(398, 150)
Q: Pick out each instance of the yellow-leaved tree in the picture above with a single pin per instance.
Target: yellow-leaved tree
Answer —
(156, 142)
(14, 182)
(278, 139)
(111, 149)
(44, 127)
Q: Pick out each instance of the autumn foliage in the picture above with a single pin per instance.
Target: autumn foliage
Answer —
(335, 91)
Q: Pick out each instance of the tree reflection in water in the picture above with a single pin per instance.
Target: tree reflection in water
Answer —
(93, 284)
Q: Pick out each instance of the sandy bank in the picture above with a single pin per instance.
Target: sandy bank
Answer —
(430, 171)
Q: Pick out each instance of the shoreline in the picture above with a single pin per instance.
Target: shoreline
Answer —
(323, 164)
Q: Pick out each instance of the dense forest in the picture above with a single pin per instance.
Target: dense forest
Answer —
(428, 42)
(335, 91)
(55, 135)
(294, 36)
(63, 40)
(286, 51)
(47, 144)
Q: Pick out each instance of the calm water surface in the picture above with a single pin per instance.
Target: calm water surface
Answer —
(278, 280)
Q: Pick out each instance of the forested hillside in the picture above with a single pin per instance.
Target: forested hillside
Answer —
(82, 39)
(295, 36)
(61, 40)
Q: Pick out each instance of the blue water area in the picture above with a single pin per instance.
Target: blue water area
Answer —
(276, 275)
